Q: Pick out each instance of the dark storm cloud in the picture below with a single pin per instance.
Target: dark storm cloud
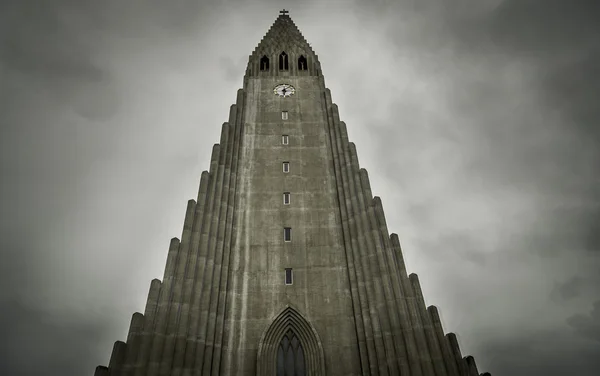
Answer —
(56, 341)
(588, 325)
(547, 352)
(567, 290)
(486, 154)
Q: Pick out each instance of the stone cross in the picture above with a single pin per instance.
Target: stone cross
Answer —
(283, 12)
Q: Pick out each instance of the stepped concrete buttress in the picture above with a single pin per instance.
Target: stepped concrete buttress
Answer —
(223, 306)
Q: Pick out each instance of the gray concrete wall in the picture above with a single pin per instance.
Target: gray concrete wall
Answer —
(320, 289)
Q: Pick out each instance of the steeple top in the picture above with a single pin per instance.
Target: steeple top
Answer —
(283, 51)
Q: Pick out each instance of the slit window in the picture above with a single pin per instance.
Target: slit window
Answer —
(286, 198)
(286, 167)
(287, 234)
(264, 63)
(284, 115)
(302, 64)
(283, 61)
(285, 139)
(288, 276)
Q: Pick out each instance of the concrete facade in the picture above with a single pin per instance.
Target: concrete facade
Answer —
(224, 307)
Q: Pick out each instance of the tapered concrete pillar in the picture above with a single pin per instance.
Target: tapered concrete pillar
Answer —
(472, 367)
(449, 360)
(163, 309)
(148, 330)
(101, 371)
(435, 352)
(117, 358)
(368, 351)
(458, 359)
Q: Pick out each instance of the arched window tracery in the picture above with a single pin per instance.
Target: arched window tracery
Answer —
(290, 356)
(264, 63)
(290, 346)
(283, 61)
(302, 63)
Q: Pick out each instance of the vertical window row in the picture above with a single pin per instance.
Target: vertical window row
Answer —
(285, 140)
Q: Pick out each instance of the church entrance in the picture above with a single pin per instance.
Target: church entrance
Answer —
(290, 356)
(290, 346)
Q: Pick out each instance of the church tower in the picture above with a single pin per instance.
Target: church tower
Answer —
(285, 265)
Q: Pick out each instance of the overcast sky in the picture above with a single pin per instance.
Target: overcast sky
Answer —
(478, 121)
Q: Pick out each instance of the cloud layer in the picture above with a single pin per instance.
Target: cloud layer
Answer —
(477, 122)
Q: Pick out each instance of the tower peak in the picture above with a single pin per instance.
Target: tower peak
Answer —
(283, 51)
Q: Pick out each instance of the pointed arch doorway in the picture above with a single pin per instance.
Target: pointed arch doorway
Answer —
(290, 346)
(290, 356)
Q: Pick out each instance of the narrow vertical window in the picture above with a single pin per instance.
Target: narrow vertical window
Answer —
(286, 167)
(264, 63)
(285, 139)
(283, 61)
(288, 276)
(286, 198)
(284, 115)
(287, 234)
(302, 65)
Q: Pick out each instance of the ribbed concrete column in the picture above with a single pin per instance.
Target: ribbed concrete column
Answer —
(471, 366)
(189, 280)
(358, 232)
(374, 239)
(236, 118)
(175, 302)
(198, 308)
(101, 371)
(462, 366)
(449, 360)
(407, 326)
(206, 320)
(228, 314)
(433, 346)
(210, 349)
(372, 342)
(419, 330)
(133, 343)
(398, 304)
(148, 330)
(357, 280)
(375, 279)
(163, 309)
(117, 358)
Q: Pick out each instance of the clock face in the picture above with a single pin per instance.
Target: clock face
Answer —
(284, 90)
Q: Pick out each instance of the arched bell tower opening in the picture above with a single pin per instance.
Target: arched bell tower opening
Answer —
(283, 61)
(264, 63)
(290, 346)
(302, 63)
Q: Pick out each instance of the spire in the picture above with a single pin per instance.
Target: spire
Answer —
(283, 51)
(283, 36)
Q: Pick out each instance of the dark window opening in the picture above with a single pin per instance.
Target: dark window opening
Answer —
(290, 356)
(264, 63)
(286, 198)
(287, 234)
(302, 63)
(283, 61)
(286, 167)
(288, 276)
